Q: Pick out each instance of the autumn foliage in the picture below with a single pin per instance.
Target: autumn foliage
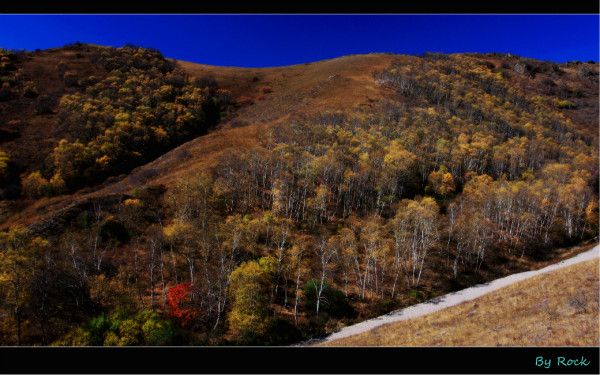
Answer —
(466, 168)
(178, 300)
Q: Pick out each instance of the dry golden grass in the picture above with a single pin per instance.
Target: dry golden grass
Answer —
(343, 84)
(555, 309)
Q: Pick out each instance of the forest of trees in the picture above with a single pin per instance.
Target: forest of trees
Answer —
(330, 219)
(143, 106)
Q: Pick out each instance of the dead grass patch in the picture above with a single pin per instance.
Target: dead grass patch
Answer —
(555, 309)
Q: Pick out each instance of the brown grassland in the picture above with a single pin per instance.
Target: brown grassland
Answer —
(555, 309)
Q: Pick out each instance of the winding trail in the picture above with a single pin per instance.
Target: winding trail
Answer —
(455, 298)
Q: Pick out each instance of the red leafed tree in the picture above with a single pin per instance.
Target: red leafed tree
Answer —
(178, 299)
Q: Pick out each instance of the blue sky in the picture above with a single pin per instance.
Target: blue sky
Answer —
(274, 40)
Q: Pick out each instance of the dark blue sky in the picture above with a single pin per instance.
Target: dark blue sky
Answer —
(247, 40)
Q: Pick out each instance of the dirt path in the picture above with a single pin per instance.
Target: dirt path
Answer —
(455, 298)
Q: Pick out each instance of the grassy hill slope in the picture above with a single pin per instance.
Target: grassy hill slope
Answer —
(555, 309)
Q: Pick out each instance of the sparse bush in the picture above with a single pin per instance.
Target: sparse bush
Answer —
(565, 104)
(30, 90)
(549, 82)
(35, 185)
(520, 68)
(207, 81)
(224, 96)
(6, 64)
(61, 67)
(244, 101)
(70, 79)
(434, 56)
(586, 72)
(76, 337)
(88, 81)
(4, 160)
(57, 185)
(5, 92)
(526, 68)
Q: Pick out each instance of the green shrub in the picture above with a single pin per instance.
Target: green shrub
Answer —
(123, 328)
(97, 328)
(565, 104)
(159, 331)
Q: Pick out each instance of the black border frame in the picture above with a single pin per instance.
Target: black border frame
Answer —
(300, 7)
(293, 360)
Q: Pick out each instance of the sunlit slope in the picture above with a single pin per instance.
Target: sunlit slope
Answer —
(555, 309)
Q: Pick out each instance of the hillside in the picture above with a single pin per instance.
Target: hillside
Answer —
(554, 309)
(162, 193)
(263, 96)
